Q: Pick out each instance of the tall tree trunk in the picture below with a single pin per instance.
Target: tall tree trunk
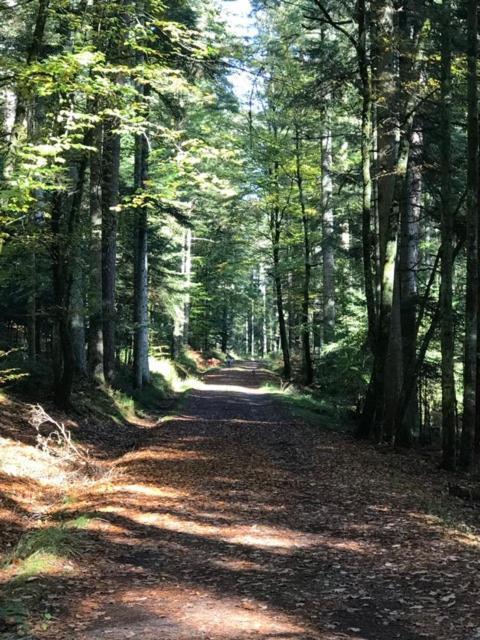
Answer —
(470, 362)
(375, 410)
(64, 223)
(447, 230)
(187, 274)
(282, 325)
(409, 232)
(77, 317)
(328, 240)
(110, 199)
(140, 343)
(276, 219)
(95, 328)
(140, 305)
(307, 365)
(32, 311)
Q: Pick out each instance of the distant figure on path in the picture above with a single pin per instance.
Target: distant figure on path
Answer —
(229, 361)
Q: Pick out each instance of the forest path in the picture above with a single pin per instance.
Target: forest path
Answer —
(234, 521)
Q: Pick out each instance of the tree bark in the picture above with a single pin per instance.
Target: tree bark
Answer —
(140, 276)
(328, 240)
(447, 267)
(95, 328)
(307, 365)
(471, 302)
(408, 268)
(110, 199)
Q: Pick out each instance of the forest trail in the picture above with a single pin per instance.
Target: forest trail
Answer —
(233, 521)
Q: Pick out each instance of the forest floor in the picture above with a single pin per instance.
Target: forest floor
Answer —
(232, 520)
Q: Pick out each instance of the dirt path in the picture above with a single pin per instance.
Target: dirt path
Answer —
(233, 521)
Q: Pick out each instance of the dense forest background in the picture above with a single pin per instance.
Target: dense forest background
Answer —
(328, 215)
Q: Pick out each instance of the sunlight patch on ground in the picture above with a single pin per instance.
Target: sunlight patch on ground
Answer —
(159, 454)
(274, 539)
(25, 461)
(184, 614)
(229, 388)
(236, 564)
(150, 490)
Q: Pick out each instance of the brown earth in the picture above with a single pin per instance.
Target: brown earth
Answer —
(234, 521)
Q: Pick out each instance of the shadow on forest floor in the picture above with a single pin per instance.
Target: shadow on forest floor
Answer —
(235, 520)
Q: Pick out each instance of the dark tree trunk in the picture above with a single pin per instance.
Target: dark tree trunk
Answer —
(307, 365)
(447, 337)
(95, 327)
(470, 362)
(328, 241)
(409, 233)
(110, 198)
(64, 222)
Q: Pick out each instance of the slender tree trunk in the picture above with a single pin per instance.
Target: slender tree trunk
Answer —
(187, 272)
(141, 330)
(32, 312)
(276, 218)
(282, 326)
(328, 241)
(77, 318)
(110, 199)
(140, 345)
(470, 362)
(95, 328)
(307, 365)
(446, 288)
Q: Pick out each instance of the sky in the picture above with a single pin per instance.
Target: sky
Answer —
(236, 13)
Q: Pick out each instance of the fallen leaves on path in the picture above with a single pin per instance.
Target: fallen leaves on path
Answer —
(236, 521)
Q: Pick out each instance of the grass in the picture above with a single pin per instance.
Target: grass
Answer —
(312, 407)
(38, 552)
(40, 549)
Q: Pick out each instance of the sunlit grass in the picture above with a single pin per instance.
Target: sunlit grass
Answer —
(43, 549)
(310, 406)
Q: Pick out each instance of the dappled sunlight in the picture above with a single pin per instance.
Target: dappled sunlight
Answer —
(236, 564)
(158, 454)
(278, 540)
(25, 461)
(231, 522)
(154, 491)
(229, 388)
(258, 536)
(185, 613)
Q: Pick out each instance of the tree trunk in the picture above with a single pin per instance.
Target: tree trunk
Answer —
(110, 198)
(307, 366)
(409, 232)
(447, 337)
(470, 361)
(282, 326)
(95, 328)
(140, 276)
(77, 317)
(328, 241)
(187, 274)
(140, 344)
